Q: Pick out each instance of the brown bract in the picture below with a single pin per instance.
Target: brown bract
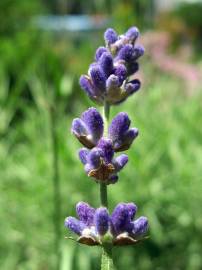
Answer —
(103, 172)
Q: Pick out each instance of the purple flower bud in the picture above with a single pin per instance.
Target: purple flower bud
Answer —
(120, 218)
(99, 52)
(94, 123)
(132, 33)
(110, 36)
(121, 72)
(132, 86)
(94, 158)
(132, 68)
(138, 52)
(126, 53)
(74, 225)
(106, 63)
(112, 84)
(85, 213)
(97, 77)
(79, 128)
(120, 162)
(119, 132)
(119, 125)
(140, 226)
(132, 209)
(83, 155)
(89, 128)
(101, 220)
(129, 137)
(113, 178)
(87, 86)
(106, 146)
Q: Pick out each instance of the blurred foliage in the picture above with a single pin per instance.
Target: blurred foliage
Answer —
(163, 176)
(184, 24)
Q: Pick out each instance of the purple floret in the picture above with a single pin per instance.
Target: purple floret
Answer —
(85, 213)
(119, 132)
(110, 36)
(74, 225)
(132, 33)
(106, 146)
(98, 78)
(88, 129)
(101, 220)
(94, 123)
(106, 64)
(99, 52)
(140, 226)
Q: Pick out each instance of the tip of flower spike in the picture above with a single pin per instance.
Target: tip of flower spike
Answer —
(110, 36)
(132, 33)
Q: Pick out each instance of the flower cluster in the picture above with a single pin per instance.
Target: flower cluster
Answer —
(99, 158)
(109, 77)
(109, 82)
(96, 226)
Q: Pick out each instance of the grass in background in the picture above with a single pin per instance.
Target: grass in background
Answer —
(164, 176)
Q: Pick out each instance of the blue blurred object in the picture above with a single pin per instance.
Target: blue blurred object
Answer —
(70, 23)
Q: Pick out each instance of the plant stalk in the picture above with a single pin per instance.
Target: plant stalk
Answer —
(107, 259)
(56, 185)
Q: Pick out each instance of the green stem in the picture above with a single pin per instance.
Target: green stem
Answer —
(103, 186)
(107, 259)
(56, 185)
(103, 194)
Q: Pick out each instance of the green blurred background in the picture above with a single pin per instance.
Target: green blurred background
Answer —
(44, 47)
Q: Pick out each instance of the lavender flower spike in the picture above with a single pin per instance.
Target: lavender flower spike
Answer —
(89, 128)
(108, 76)
(120, 228)
(120, 134)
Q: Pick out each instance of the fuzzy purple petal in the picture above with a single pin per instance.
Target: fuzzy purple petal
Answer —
(126, 53)
(101, 220)
(86, 85)
(94, 158)
(110, 36)
(106, 63)
(78, 127)
(132, 68)
(121, 72)
(106, 146)
(140, 226)
(112, 82)
(120, 218)
(132, 33)
(85, 213)
(94, 123)
(120, 162)
(99, 52)
(138, 51)
(83, 155)
(132, 86)
(98, 77)
(74, 225)
(118, 127)
(132, 209)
